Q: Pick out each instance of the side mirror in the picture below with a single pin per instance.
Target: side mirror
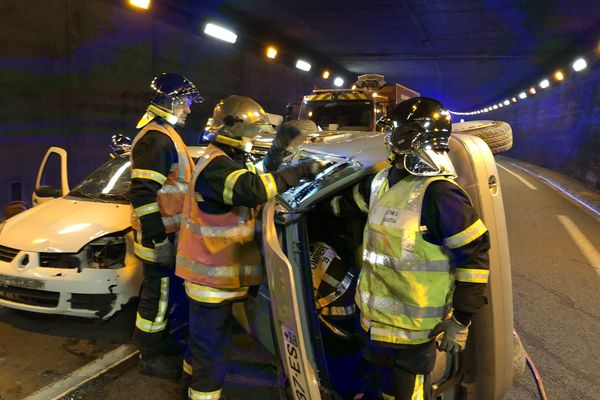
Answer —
(48, 191)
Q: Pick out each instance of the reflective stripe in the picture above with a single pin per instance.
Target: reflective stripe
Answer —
(338, 311)
(196, 395)
(339, 291)
(330, 280)
(174, 220)
(390, 334)
(146, 209)
(174, 188)
(418, 391)
(378, 259)
(335, 206)
(251, 167)
(378, 186)
(220, 271)
(467, 236)
(358, 198)
(149, 326)
(145, 253)
(386, 396)
(230, 183)
(269, 184)
(238, 231)
(472, 275)
(187, 367)
(394, 306)
(206, 294)
(163, 301)
(148, 174)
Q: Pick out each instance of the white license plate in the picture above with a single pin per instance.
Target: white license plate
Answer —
(296, 375)
(6, 280)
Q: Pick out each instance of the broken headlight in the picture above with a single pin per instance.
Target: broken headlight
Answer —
(105, 252)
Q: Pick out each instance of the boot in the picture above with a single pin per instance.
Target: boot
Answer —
(186, 381)
(161, 366)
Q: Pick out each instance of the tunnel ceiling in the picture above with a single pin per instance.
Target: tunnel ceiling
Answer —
(466, 53)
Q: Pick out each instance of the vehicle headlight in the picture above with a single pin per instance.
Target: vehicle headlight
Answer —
(103, 253)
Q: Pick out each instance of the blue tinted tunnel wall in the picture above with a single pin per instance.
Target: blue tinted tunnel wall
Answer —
(559, 127)
(73, 73)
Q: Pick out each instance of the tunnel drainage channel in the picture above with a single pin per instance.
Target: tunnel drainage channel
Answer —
(85, 374)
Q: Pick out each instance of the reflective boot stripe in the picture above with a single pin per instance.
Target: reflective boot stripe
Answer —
(159, 323)
(187, 367)
(418, 391)
(197, 395)
(145, 253)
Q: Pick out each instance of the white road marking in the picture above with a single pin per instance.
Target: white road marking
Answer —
(85, 374)
(519, 177)
(586, 247)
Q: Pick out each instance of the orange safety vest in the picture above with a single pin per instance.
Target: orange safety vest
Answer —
(170, 196)
(217, 250)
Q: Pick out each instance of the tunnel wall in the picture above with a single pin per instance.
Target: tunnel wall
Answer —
(559, 127)
(73, 73)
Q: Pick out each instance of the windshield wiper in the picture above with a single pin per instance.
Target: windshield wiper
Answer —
(113, 196)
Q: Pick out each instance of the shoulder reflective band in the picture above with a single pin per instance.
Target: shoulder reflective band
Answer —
(269, 184)
(472, 275)
(230, 183)
(467, 236)
(358, 198)
(378, 186)
(251, 167)
(146, 209)
(335, 206)
(206, 294)
(148, 174)
(196, 395)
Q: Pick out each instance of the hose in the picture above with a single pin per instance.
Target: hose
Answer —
(534, 371)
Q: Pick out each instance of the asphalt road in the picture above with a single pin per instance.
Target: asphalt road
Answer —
(554, 246)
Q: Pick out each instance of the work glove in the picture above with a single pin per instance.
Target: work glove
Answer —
(165, 253)
(454, 337)
(310, 168)
(285, 135)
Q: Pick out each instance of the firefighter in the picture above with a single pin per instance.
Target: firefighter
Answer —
(161, 168)
(425, 260)
(217, 255)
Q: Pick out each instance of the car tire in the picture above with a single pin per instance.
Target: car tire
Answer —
(496, 134)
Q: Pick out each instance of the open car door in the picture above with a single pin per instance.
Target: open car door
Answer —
(52, 179)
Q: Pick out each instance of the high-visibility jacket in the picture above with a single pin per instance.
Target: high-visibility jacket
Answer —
(169, 198)
(406, 284)
(217, 250)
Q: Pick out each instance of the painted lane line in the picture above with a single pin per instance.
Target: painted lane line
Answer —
(586, 247)
(85, 374)
(519, 177)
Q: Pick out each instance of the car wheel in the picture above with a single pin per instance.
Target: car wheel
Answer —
(497, 134)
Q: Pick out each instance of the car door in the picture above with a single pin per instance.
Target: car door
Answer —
(295, 325)
(52, 179)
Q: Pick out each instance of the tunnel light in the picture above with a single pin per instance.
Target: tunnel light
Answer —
(325, 74)
(544, 84)
(462, 120)
(495, 107)
(514, 99)
(559, 76)
(579, 64)
(339, 82)
(271, 52)
(506, 102)
(500, 105)
(145, 4)
(485, 109)
(532, 90)
(220, 33)
(303, 65)
(522, 95)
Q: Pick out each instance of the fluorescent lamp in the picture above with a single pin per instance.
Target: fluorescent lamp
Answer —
(522, 95)
(544, 84)
(514, 99)
(303, 65)
(506, 102)
(339, 82)
(219, 32)
(271, 52)
(325, 74)
(559, 76)
(145, 4)
(532, 90)
(579, 64)
(495, 107)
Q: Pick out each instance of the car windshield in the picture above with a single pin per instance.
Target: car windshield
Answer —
(336, 115)
(109, 183)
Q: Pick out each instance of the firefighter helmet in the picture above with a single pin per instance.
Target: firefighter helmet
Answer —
(419, 130)
(170, 90)
(238, 120)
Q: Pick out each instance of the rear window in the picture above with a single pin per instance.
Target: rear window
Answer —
(337, 115)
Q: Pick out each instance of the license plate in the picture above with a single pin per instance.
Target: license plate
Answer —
(296, 375)
(27, 283)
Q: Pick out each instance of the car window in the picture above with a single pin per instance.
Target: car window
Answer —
(337, 115)
(109, 183)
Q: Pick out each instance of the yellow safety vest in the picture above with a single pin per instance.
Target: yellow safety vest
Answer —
(217, 251)
(406, 283)
(169, 198)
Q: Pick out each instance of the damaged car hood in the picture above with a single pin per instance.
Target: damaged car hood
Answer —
(64, 225)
